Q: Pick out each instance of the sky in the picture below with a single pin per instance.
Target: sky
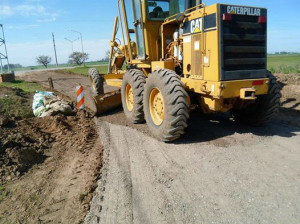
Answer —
(29, 24)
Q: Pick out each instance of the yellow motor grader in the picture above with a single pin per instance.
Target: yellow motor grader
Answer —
(178, 55)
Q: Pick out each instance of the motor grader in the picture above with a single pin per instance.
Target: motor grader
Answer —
(178, 55)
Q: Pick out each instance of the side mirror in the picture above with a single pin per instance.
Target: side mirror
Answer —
(180, 17)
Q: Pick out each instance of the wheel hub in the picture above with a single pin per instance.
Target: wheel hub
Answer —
(156, 105)
(129, 97)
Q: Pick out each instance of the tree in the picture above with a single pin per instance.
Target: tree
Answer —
(43, 60)
(107, 53)
(106, 57)
(12, 66)
(77, 58)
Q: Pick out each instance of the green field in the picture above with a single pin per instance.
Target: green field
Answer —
(84, 70)
(287, 64)
(54, 66)
(27, 87)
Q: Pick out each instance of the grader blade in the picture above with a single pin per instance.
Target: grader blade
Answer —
(107, 102)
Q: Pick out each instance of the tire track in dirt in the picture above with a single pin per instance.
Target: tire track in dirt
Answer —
(219, 172)
(115, 172)
(254, 180)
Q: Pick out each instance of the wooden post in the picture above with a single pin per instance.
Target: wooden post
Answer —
(50, 83)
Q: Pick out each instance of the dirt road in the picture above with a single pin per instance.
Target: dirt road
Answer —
(64, 83)
(219, 172)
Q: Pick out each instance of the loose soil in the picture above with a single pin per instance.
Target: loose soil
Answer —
(218, 172)
(48, 166)
(290, 101)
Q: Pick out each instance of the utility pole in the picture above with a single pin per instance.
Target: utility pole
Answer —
(81, 46)
(54, 49)
(3, 54)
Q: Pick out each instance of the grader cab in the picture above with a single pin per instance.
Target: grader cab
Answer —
(177, 55)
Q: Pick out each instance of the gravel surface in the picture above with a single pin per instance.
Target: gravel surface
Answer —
(233, 177)
(219, 172)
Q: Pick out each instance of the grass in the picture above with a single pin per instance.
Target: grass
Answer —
(2, 194)
(16, 102)
(84, 70)
(59, 66)
(12, 105)
(34, 198)
(287, 64)
(27, 87)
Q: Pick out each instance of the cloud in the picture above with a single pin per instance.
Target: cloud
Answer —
(50, 17)
(21, 27)
(37, 11)
(6, 10)
(30, 10)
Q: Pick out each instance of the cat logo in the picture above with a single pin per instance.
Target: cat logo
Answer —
(196, 25)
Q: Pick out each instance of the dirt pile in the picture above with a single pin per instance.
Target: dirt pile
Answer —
(65, 159)
(290, 101)
(288, 79)
(290, 89)
(20, 146)
(19, 151)
(48, 167)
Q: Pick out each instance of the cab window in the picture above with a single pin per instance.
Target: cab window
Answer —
(162, 9)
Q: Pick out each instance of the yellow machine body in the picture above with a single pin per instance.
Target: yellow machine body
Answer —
(201, 49)
(201, 45)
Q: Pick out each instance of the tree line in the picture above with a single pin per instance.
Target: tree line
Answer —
(286, 52)
(12, 66)
(76, 58)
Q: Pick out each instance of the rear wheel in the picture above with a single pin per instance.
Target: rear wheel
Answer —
(132, 95)
(264, 108)
(165, 105)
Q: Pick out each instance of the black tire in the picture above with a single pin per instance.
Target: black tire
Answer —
(96, 81)
(136, 79)
(175, 105)
(265, 107)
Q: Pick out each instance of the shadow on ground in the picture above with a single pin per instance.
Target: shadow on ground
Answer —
(208, 128)
(202, 128)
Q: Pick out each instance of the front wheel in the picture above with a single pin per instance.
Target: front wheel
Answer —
(132, 95)
(165, 105)
(96, 81)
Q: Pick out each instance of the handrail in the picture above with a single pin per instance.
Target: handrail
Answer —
(112, 46)
(126, 27)
(170, 17)
(202, 5)
(121, 22)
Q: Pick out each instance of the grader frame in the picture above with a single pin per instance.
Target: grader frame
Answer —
(210, 57)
